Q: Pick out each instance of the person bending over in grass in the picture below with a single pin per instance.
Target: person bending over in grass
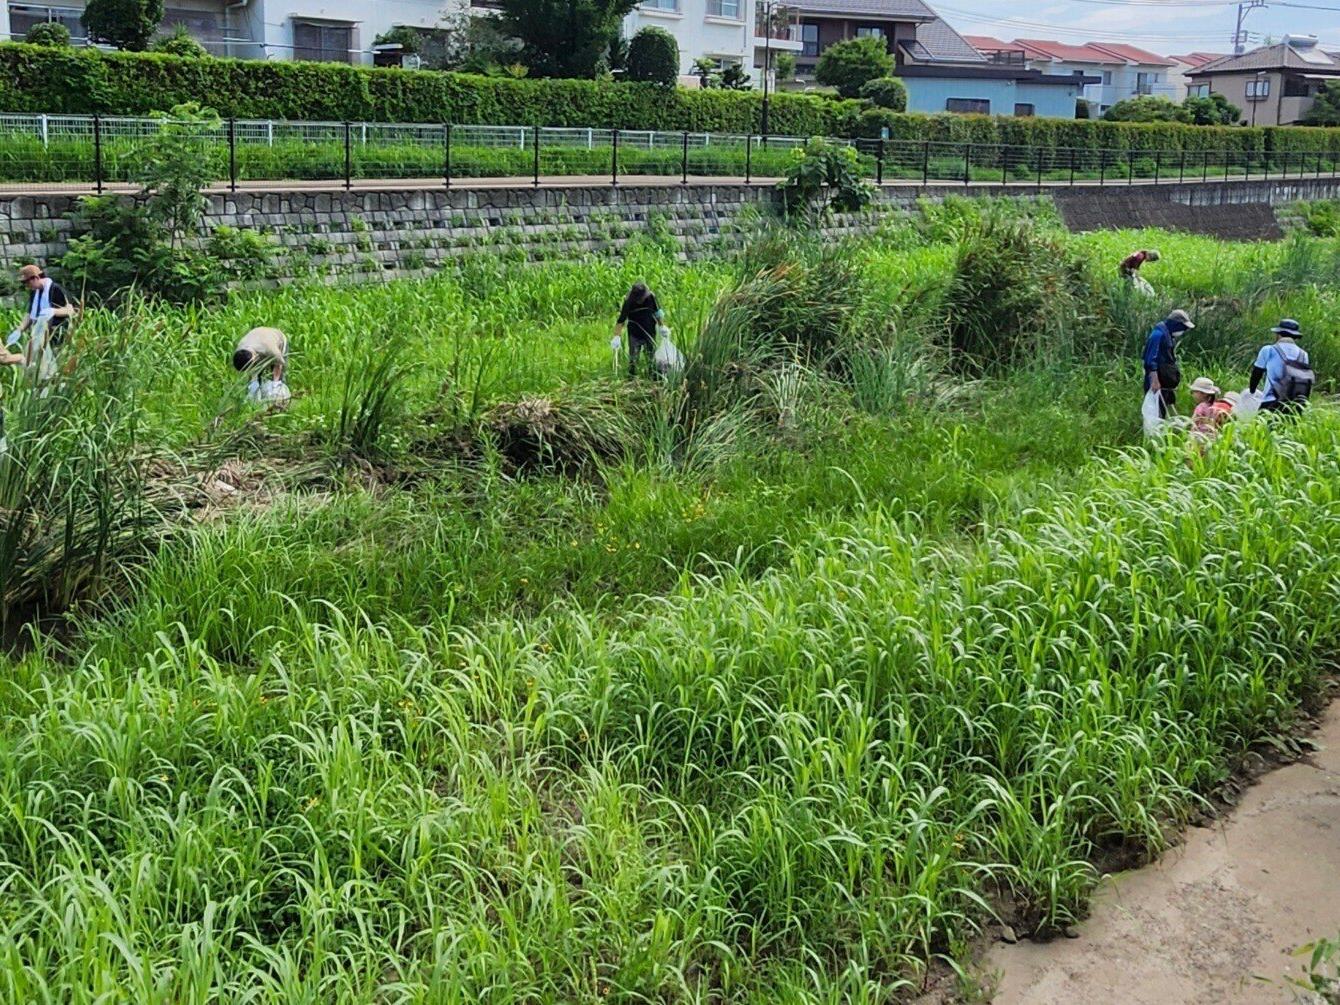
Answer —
(1130, 265)
(260, 347)
(1285, 366)
(1161, 372)
(639, 316)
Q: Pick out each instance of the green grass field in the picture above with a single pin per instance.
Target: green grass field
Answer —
(490, 676)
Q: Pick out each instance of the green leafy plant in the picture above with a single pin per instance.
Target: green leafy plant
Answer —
(126, 24)
(784, 67)
(733, 78)
(1144, 108)
(653, 57)
(707, 72)
(823, 176)
(564, 38)
(180, 43)
(849, 66)
(410, 40)
(886, 92)
(51, 34)
(1211, 110)
(1322, 981)
(1325, 110)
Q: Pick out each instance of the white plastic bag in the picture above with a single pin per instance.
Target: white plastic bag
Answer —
(269, 392)
(1149, 413)
(13, 339)
(1142, 286)
(1249, 403)
(668, 358)
(38, 355)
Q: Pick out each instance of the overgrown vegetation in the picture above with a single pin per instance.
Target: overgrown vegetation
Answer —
(822, 176)
(773, 680)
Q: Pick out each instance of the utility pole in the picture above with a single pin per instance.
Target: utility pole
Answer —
(1240, 36)
(767, 56)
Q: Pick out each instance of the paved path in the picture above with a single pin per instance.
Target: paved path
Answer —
(1216, 920)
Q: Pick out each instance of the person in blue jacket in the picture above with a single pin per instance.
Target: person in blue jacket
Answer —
(1161, 372)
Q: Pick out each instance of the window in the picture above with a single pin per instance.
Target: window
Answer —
(1024, 109)
(968, 106)
(869, 31)
(809, 40)
(326, 43)
(1144, 82)
(1296, 87)
(660, 5)
(1258, 89)
(1107, 78)
(24, 16)
(1198, 91)
(206, 26)
(724, 8)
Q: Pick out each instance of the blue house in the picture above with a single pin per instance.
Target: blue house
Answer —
(943, 73)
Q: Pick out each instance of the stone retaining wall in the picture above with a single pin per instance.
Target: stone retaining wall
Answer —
(390, 233)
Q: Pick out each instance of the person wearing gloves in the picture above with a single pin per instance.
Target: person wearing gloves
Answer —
(48, 304)
(640, 315)
(1160, 359)
(1286, 369)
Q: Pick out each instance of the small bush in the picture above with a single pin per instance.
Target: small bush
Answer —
(823, 176)
(886, 92)
(180, 43)
(850, 65)
(51, 34)
(126, 24)
(653, 57)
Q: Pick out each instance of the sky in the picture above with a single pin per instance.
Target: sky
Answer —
(1162, 26)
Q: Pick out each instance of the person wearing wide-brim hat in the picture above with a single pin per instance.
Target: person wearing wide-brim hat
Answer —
(1205, 417)
(1285, 366)
(1160, 358)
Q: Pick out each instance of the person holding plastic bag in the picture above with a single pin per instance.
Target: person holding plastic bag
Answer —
(640, 316)
(1286, 369)
(1162, 374)
(1129, 270)
(257, 349)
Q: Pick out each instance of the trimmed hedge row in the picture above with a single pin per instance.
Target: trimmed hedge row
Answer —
(87, 81)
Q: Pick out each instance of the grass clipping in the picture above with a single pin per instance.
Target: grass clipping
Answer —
(567, 431)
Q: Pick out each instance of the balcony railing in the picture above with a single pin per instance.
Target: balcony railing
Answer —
(783, 25)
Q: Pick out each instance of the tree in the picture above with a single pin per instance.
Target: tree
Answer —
(180, 43)
(706, 71)
(653, 56)
(564, 38)
(733, 78)
(1145, 108)
(1325, 110)
(409, 39)
(886, 92)
(784, 67)
(849, 65)
(1083, 109)
(1212, 110)
(51, 34)
(473, 44)
(126, 24)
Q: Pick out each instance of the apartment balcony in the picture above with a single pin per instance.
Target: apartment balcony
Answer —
(784, 32)
(206, 20)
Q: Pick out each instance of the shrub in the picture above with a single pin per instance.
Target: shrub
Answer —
(1325, 110)
(784, 66)
(733, 78)
(823, 176)
(872, 123)
(180, 43)
(83, 81)
(126, 24)
(886, 92)
(1213, 110)
(653, 57)
(1145, 108)
(409, 40)
(848, 66)
(51, 34)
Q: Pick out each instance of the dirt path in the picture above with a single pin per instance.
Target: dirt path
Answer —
(1217, 912)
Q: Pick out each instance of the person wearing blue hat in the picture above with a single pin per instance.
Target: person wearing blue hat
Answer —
(1286, 369)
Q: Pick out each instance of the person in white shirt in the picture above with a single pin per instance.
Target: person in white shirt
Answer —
(259, 347)
(1285, 367)
(49, 311)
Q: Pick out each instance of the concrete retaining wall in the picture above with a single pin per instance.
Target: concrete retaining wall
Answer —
(408, 232)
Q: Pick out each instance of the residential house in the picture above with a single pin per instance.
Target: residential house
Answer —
(1122, 71)
(1182, 66)
(721, 31)
(942, 71)
(1274, 85)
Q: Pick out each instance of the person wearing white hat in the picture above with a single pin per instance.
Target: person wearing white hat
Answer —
(1205, 417)
(1160, 358)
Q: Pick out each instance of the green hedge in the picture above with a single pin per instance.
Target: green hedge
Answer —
(85, 81)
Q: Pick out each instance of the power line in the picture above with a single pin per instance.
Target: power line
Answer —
(1057, 30)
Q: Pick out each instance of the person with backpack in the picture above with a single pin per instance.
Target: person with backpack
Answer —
(640, 315)
(1287, 371)
(1162, 374)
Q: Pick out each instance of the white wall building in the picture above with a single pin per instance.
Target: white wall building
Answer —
(1123, 71)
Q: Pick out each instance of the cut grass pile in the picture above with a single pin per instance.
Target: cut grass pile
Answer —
(816, 657)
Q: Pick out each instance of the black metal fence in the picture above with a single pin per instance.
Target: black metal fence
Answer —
(90, 152)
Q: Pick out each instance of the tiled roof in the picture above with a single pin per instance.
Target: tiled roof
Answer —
(944, 43)
(911, 10)
(986, 43)
(1041, 48)
(1197, 59)
(1131, 54)
(1273, 57)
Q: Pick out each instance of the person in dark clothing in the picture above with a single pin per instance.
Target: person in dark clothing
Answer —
(639, 316)
(1161, 372)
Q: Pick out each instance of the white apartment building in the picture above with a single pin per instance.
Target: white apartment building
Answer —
(336, 30)
(344, 30)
